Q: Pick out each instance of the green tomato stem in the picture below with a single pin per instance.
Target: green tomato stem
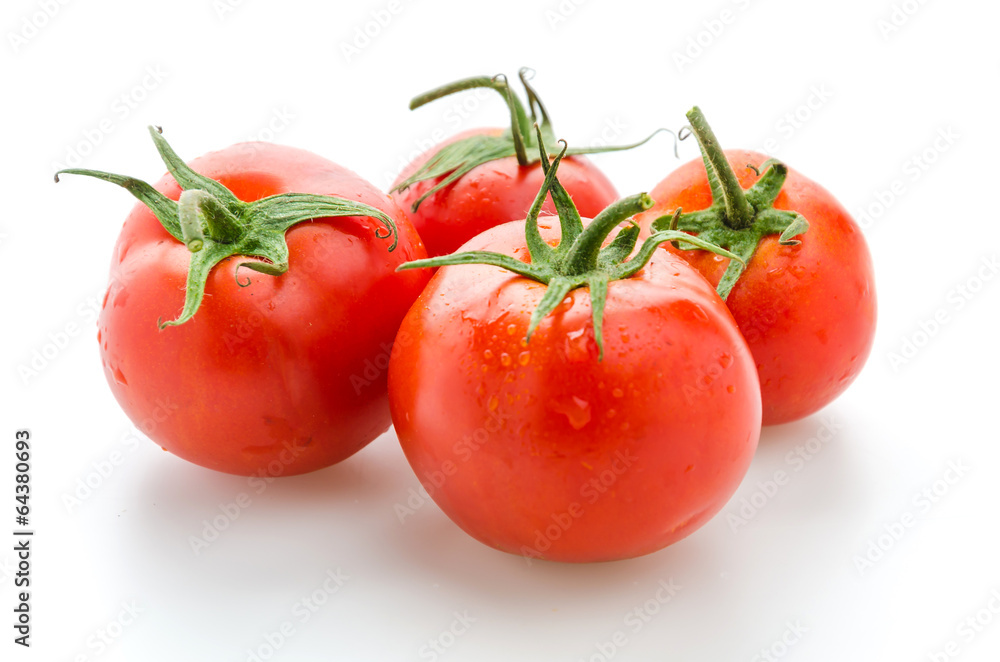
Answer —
(739, 212)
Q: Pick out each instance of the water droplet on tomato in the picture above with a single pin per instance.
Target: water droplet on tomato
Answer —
(618, 393)
(123, 249)
(524, 358)
(725, 360)
(577, 346)
(505, 359)
(576, 410)
(488, 354)
(119, 376)
(494, 403)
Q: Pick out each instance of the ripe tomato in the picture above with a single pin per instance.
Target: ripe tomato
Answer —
(484, 177)
(576, 445)
(274, 374)
(807, 308)
(492, 193)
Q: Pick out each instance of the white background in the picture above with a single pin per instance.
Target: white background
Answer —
(279, 71)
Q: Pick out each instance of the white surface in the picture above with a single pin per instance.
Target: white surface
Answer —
(226, 78)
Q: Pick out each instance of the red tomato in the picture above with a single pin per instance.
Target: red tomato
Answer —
(807, 310)
(484, 177)
(281, 376)
(492, 193)
(548, 450)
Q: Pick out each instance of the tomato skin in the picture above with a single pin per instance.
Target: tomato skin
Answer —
(509, 437)
(808, 312)
(259, 381)
(493, 193)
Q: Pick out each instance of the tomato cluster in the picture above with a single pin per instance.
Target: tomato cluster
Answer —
(583, 378)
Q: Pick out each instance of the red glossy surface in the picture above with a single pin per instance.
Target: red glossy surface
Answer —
(808, 311)
(539, 449)
(284, 376)
(493, 193)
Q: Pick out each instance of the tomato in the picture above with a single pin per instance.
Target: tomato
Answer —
(271, 374)
(807, 308)
(484, 177)
(538, 433)
(492, 193)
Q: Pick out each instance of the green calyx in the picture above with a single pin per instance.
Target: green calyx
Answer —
(456, 159)
(214, 224)
(737, 219)
(578, 259)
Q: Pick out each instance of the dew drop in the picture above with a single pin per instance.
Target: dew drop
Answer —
(618, 393)
(121, 297)
(505, 359)
(577, 346)
(524, 358)
(119, 376)
(494, 403)
(576, 410)
(488, 354)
